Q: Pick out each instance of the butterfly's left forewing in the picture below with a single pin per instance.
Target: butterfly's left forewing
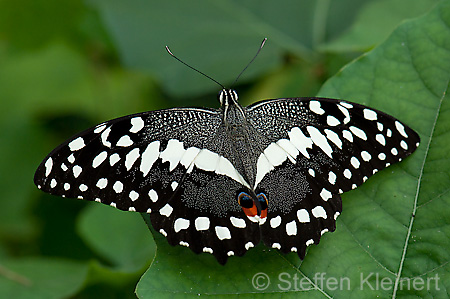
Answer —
(166, 163)
(317, 149)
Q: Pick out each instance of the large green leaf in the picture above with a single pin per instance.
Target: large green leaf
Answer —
(375, 22)
(394, 230)
(219, 37)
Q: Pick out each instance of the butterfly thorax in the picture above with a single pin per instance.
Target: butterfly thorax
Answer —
(239, 131)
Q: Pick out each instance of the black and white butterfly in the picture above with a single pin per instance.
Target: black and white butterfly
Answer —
(223, 180)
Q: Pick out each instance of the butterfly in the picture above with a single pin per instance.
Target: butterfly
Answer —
(223, 180)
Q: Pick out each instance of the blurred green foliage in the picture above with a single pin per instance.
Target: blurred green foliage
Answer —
(68, 65)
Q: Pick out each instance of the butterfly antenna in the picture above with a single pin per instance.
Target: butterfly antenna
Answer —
(254, 57)
(193, 68)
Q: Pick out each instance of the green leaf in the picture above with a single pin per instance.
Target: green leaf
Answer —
(59, 80)
(117, 236)
(219, 37)
(31, 278)
(375, 22)
(394, 229)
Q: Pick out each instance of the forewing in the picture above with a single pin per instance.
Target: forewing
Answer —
(158, 162)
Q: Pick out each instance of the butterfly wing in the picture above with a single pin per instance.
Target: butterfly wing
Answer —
(167, 163)
(317, 149)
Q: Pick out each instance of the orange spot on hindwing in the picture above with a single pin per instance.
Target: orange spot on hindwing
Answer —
(254, 208)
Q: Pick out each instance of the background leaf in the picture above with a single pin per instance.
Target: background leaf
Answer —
(41, 278)
(68, 66)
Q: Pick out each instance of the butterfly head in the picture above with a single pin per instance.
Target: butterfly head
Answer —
(228, 97)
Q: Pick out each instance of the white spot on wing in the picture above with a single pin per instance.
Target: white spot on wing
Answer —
(189, 156)
(287, 146)
(332, 121)
(166, 210)
(153, 195)
(133, 195)
(291, 228)
(380, 138)
(319, 212)
(366, 156)
(180, 224)
(48, 166)
(332, 177)
(275, 222)
(320, 140)
(207, 160)
(358, 132)
(137, 124)
(325, 194)
(272, 156)
(263, 167)
(401, 129)
(77, 144)
(222, 232)
(99, 159)
(369, 114)
(173, 153)
(276, 245)
(346, 105)
(99, 128)
(355, 162)
(314, 106)
(404, 145)
(149, 156)
(347, 174)
(207, 250)
(113, 159)
(379, 126)
(249, 245)
(202, 223)
(124, 141)
(300, 141)
(343, 107)
(104, 137)
(77, 171)
(275, 154)
(303, 216)
(118, 187)
(225, 167)
(237, 222)
(102, 183)
(333, 137)
(131, 157)
(347, 135)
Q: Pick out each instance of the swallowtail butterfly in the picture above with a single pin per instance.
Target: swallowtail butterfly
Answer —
(223, 180)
